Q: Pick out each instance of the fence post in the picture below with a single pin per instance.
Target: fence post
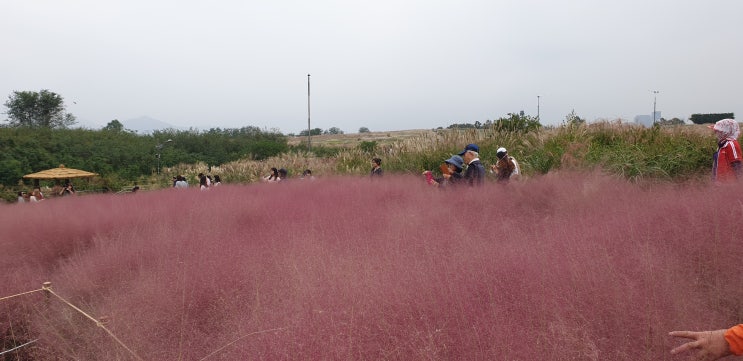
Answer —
(47, 287)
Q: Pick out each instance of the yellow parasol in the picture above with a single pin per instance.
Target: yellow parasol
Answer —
(61, 172)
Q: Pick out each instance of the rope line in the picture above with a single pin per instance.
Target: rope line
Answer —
(240, 338)
(73, 306)
(47, 288)
(17, 347)
(98, 323)
(20, 294)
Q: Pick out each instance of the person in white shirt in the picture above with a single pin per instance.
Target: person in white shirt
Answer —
(180, 182)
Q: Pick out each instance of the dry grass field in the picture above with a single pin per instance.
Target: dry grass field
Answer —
(350, 140)
(622, 149)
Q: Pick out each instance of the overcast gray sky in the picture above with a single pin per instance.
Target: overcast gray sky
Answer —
(381, 64)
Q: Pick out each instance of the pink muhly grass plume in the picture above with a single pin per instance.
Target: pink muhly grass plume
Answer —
(568, 266)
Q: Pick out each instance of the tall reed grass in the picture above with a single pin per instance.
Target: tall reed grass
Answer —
(678, 154)
(565, 266)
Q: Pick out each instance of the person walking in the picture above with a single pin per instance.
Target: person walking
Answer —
(451, 173)
(67, 190)
(35, 196)
(726, 161)
(203, 185)
(307, 174)
(506, 166)
(273, 177)
(475, 173)
(283, 175)
(376, 168)
(181, 182)
(37, 192)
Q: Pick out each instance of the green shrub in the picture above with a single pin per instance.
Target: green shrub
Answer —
(517, 123)
(368, 146)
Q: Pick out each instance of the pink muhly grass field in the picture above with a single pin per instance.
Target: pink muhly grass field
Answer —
(568, 266)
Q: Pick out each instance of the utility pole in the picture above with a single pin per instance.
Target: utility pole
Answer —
(538, 107)
(655, 96)
(159, 150)
(309, 128)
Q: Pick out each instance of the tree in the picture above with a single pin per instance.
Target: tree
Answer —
(574, 119)
(517, 123)
(364, 130)
(114, 126)
(314, 131)
(710, 118)
(668, 122)
(460, 126)
(368, 147)
(334, 130)
(44, 109)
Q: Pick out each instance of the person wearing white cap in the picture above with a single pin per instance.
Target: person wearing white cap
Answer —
(506, 167)
(726, 161)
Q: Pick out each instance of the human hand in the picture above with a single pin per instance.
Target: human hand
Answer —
(709, 345)
(429, 177)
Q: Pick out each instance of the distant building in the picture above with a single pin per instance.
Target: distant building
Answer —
(647, 120)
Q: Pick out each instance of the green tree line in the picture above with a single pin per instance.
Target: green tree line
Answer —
(117, 154)
(710, 118)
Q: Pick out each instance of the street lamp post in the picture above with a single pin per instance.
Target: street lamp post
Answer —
(309, 129)
(159, 148)
(655, 96)
(538, 96)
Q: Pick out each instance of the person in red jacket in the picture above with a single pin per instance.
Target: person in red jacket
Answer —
(726, 161)
(711, 345)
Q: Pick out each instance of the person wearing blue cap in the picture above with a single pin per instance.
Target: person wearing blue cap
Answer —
(475, 173)
(451, 172)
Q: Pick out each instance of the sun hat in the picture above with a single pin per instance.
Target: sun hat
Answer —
(501, 152)
(456, 161)
(472, 147)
